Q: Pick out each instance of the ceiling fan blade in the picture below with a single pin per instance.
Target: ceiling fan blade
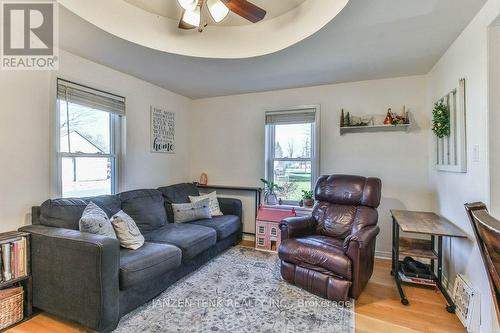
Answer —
(185, 25)
(246, 10)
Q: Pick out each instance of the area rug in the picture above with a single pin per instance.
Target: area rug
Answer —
(239, 291)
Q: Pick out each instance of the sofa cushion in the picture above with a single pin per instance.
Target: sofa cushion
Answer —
(147, 262)
(224, 225)
(191, 239)
(66, 212)
(126, 230)
(320, 253)
(145, 207)
(95, 221)
(188, 212)
(178, 193)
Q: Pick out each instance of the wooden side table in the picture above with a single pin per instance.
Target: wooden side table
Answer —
(24, 281)
(423, 223)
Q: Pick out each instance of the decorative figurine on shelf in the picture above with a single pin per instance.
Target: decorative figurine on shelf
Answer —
(406, 115)
(347, 120)
(342, 119)
(203, 179)
(389, 117)
(400, 119)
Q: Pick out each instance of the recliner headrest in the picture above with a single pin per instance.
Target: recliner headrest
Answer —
(349, 190)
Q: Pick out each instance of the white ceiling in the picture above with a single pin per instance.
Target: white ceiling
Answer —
(367, 40)
(171, 9)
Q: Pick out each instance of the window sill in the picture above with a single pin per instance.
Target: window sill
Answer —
(298, 209)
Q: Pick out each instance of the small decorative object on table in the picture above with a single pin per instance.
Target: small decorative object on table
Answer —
(203, 179)
(15, 278)
(267, 231)
(307, 197)
(270, 197)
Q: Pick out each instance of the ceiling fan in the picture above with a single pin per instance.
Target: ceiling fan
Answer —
(194, 12)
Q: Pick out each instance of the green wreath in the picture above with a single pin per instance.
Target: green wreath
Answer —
(441, 120)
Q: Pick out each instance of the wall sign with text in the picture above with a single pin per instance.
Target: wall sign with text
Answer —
(162, 131)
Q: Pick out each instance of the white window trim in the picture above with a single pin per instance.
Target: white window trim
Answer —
(115, 154)
(315, 143)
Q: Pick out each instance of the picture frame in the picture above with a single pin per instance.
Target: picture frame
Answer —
(162, 131)
(451, 151)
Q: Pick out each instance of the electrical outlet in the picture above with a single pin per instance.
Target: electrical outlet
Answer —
(475, 153)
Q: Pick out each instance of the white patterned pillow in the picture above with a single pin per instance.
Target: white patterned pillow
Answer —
(214, 202)
(126, 231)
(188, 212)
(95, 221)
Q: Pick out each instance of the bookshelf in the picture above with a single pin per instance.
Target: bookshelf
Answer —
(20, 275)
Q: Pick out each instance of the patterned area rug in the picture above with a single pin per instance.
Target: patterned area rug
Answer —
(239, 291)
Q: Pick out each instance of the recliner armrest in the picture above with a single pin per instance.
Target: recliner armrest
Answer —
(360, 248)
(362, 237)
(293, 227)
(75, 275)
(230, 206)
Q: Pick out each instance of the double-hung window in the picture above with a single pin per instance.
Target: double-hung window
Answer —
(292, 151)
(88, 140)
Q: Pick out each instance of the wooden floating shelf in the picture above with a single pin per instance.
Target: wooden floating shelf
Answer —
(374, 128)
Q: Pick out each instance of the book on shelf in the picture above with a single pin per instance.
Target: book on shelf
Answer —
(13, 257)
(408, 279)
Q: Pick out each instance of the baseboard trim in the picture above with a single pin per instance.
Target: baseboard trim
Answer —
(386, 255)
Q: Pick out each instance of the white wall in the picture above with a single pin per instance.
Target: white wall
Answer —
(467, 57)
(24, 145)
(227, 141)
(494, 117)
(27, 108)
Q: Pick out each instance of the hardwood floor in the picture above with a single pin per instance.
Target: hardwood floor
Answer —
(377, 310)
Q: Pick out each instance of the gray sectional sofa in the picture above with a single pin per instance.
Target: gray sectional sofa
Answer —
(89, 279)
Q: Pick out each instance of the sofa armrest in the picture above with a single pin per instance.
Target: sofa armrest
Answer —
(75, 275)
(293, 227)
(360, 249)
(230, 206)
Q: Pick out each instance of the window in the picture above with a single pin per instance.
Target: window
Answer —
(292, 151)
(88, 140)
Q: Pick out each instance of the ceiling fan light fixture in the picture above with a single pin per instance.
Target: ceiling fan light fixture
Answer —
(188, 5)
(192, 17)
(217, 10)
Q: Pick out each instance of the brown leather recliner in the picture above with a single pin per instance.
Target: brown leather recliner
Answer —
(331, 253)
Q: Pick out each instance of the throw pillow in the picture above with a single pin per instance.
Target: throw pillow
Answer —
(126, 231)
(214, 202)
(192, 211)
(95, 221)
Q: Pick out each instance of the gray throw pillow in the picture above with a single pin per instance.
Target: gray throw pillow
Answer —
(192, 211)
(126, 231)
(95, 221)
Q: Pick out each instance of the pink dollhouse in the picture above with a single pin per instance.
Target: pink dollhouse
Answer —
(267, 231)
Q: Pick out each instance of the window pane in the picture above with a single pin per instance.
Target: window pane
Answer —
(293, 177)
(84, 130)
(293, 141)
(86, 176)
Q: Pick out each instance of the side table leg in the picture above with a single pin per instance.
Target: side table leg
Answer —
(451, 307)
(395, 264)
